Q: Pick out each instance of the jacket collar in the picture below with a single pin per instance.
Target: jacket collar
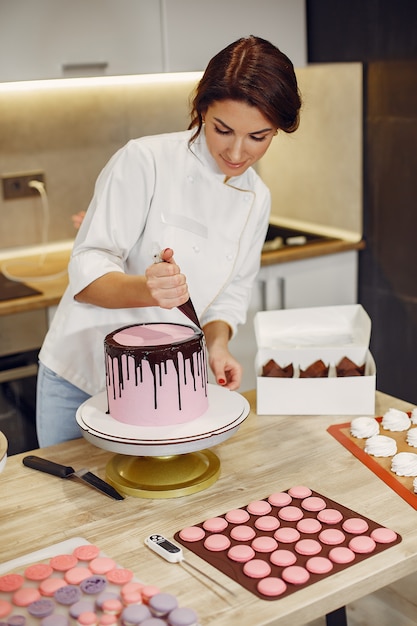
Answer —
(200, 149)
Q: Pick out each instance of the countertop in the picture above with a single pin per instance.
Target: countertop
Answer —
(310, 250)
(57, 260)
(52, 289)
(267, 454)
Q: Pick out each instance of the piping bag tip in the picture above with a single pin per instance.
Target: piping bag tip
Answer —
(188, 309)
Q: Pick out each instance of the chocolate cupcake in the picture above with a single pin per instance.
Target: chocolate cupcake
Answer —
(273, 370)
(346, 367)
(316, 370)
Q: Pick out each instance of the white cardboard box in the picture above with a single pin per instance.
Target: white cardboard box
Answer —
(301, 337)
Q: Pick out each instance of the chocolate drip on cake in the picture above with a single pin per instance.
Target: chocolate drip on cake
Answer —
(192, 350)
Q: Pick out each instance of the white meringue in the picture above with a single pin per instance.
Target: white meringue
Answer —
(380, 445)
(364, 427)
(414, 416)
(412, 437)
(395, 420)
(404, 464)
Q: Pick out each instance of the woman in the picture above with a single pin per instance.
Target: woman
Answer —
(193, 195)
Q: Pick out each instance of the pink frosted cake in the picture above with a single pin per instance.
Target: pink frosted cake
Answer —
(156, 374)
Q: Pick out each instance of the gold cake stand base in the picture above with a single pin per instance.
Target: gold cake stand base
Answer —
(163, 476)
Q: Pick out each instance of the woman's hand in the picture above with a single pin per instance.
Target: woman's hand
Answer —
(77, 219)
(166, 285)
(226, 369)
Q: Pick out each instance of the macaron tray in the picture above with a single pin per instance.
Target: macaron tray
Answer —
(287, 541)
(74, 583)
(381, 466)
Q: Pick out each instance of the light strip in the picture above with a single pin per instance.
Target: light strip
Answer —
(100, 81)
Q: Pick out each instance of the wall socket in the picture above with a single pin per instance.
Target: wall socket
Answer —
(17, 185)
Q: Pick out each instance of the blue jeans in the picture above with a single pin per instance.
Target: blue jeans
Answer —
(56, 405)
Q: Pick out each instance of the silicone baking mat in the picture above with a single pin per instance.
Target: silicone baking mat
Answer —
(381, 466)
(277, 552)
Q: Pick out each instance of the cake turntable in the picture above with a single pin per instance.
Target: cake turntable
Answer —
(166, 461)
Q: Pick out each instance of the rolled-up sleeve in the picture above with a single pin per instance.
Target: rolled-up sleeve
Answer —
(85, 267)
(115, 218)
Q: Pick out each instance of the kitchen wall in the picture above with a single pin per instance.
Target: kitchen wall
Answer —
(315, 174)
(69, 130)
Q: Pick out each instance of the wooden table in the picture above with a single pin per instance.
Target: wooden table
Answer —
(268, 453)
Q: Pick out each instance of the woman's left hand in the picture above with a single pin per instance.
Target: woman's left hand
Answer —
(226, 369)
(77, 219)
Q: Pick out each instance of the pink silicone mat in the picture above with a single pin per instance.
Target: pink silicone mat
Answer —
(276, 545)
(380, 466)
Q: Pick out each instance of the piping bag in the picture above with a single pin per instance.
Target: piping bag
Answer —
(187, 308)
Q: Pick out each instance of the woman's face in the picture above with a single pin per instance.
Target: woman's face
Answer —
(237, 135)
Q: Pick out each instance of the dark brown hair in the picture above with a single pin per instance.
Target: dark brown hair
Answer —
(254, 71)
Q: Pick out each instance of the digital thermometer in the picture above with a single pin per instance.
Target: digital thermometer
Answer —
(165, 548)
(174, 554)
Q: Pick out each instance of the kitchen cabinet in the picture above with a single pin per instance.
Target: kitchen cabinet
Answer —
(321, 281)
(195, 31)
(57, 39)
(327, 280)
(21, 333)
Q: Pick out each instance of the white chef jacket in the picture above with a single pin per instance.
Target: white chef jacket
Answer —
(159, 191)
